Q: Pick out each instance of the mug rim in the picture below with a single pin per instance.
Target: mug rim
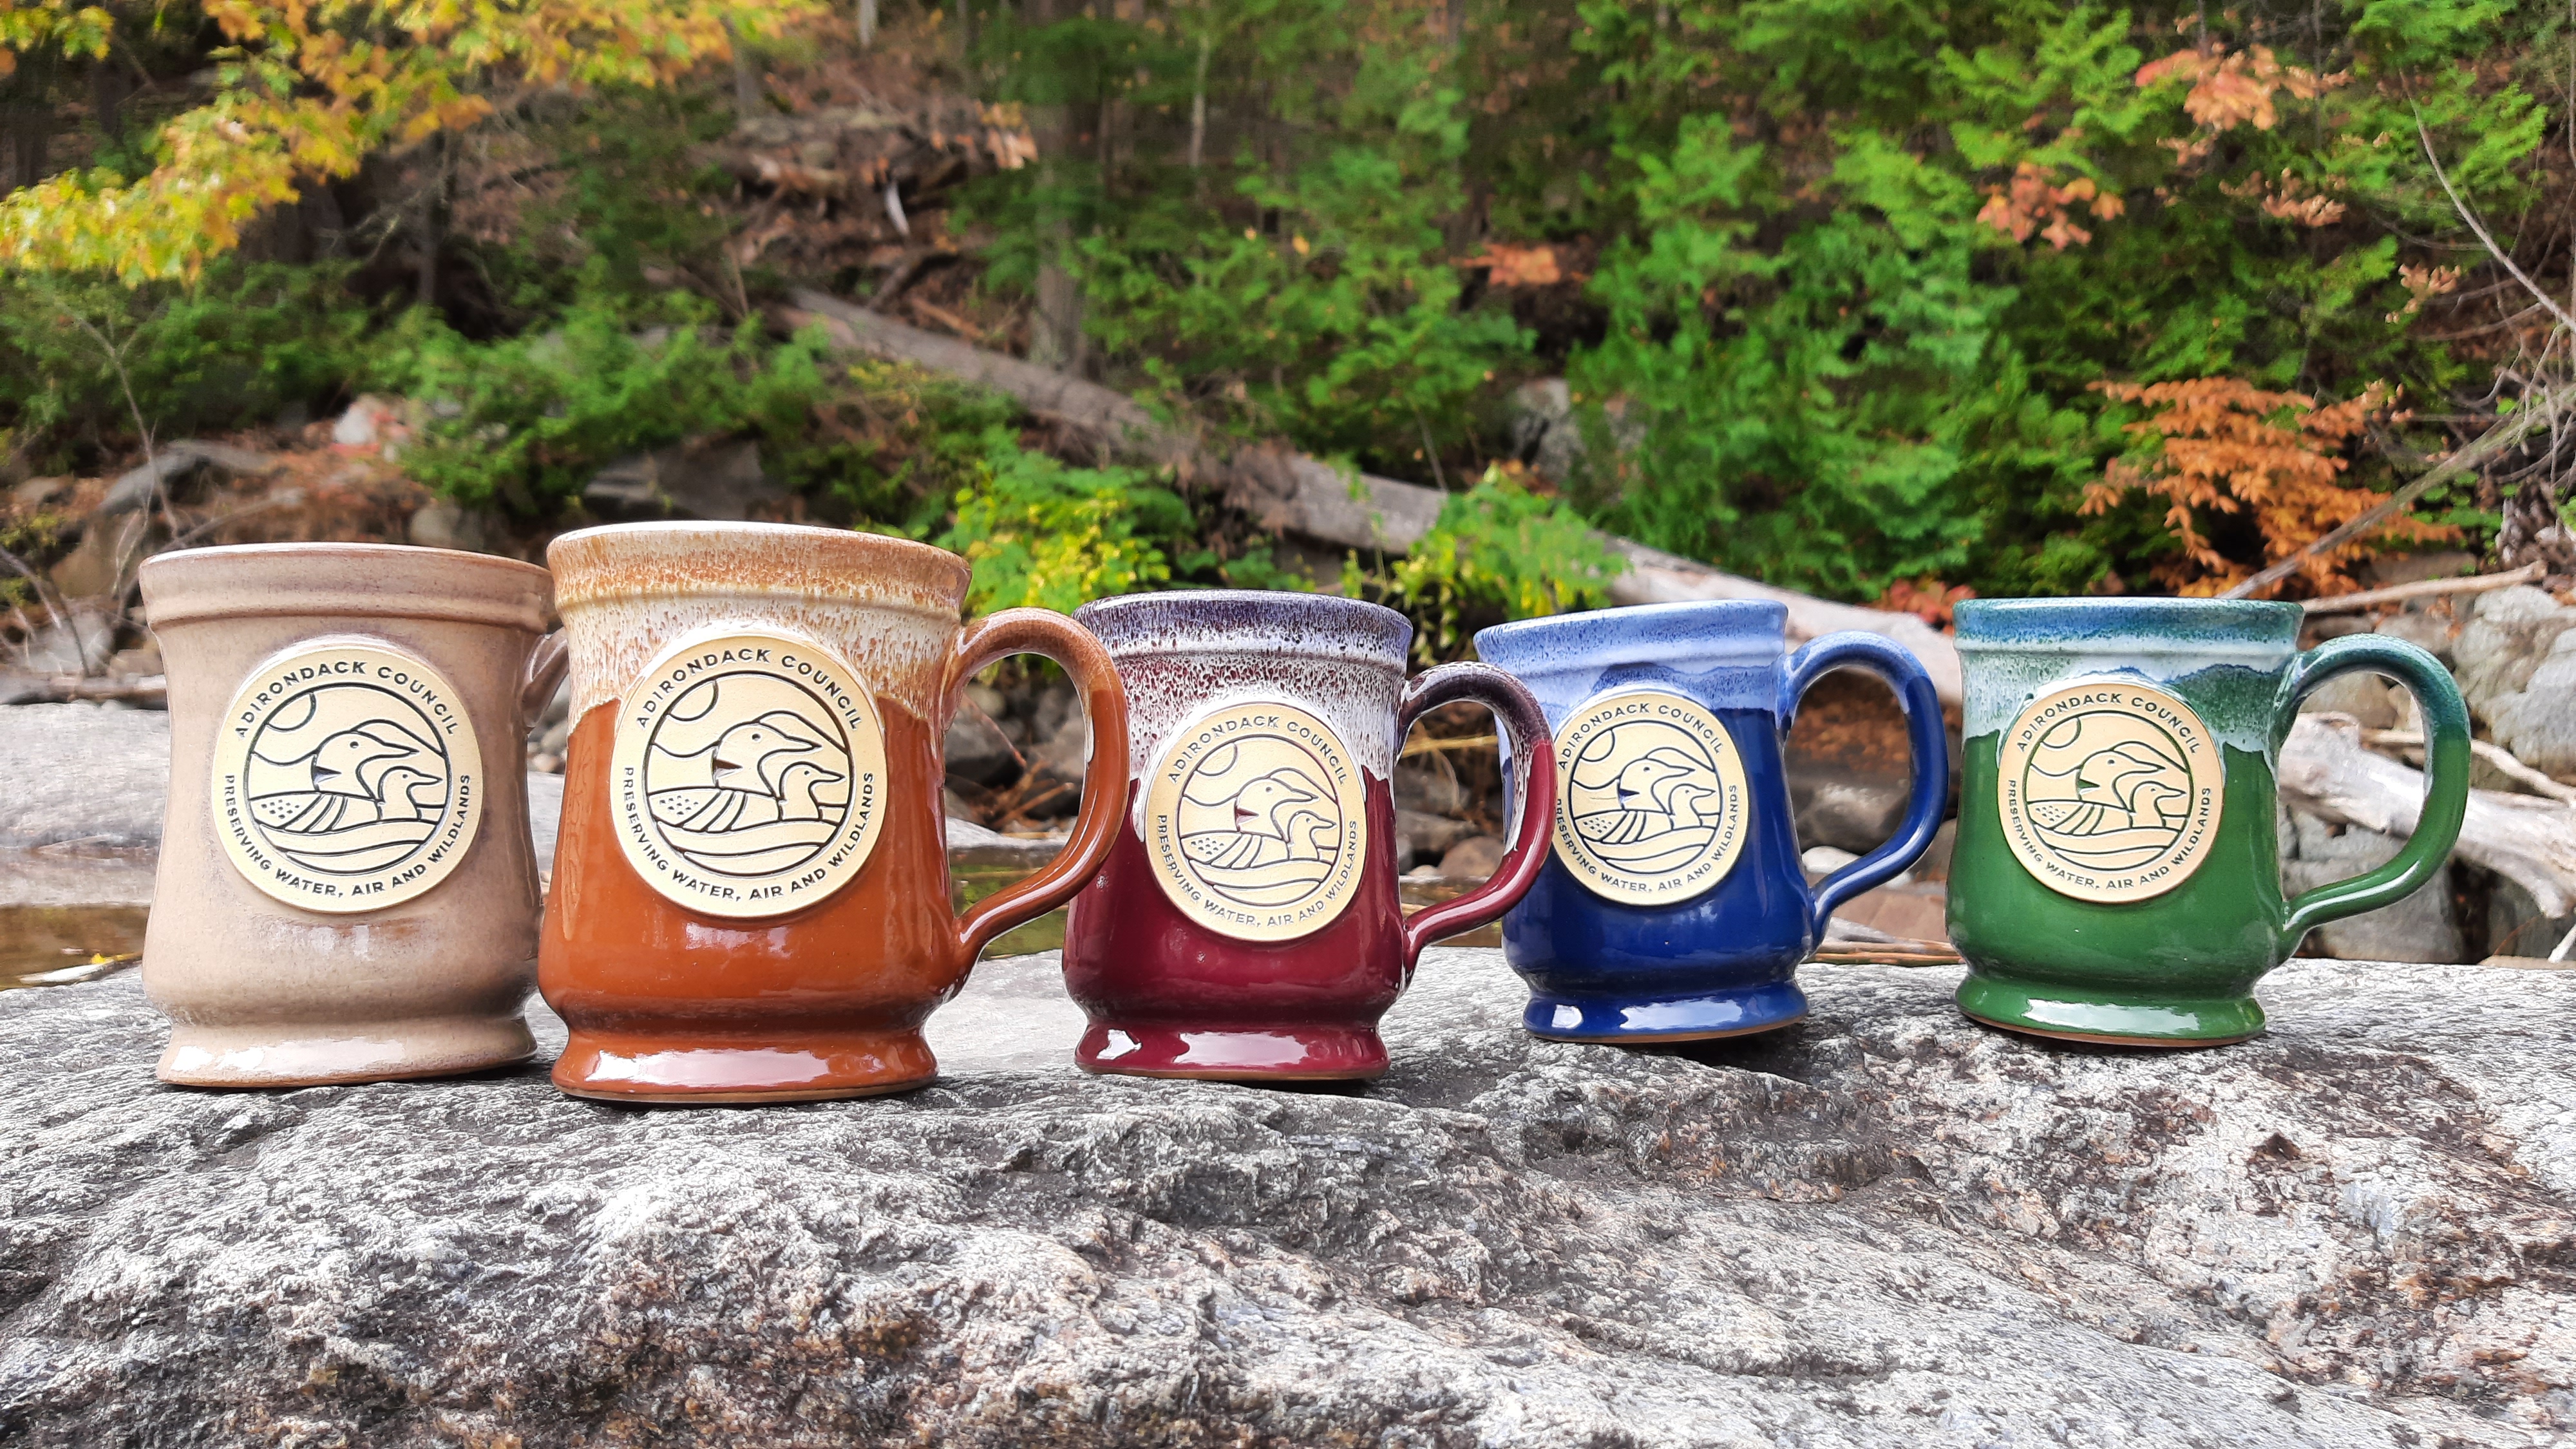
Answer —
(845, 565)
(1365, 630)
(164, 562)
(189, 585)
(1724, 628)
(2127, 626)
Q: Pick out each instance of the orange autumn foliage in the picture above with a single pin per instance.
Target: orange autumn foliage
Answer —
(2017, 209)
(2229, 90)
(2229, 447)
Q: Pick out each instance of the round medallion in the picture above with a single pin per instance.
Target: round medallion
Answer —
(1256, 821)
(346, 777)
(2109, 791)
(748, 776)
(1651, 804)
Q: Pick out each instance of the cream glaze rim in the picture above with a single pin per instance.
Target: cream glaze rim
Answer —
(579, 582)
(496, 603)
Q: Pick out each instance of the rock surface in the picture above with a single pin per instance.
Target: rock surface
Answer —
(1881, 1227)
(2517, 668)
(79, 773)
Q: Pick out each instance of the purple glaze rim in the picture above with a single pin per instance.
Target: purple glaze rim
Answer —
(1248, 621)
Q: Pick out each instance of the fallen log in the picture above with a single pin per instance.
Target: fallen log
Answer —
(2524, 838)
(2530, 573)
(1295, 493)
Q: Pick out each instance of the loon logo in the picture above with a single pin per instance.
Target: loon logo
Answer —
(346, 778)
(748, 775)
(2109, 792)
(1256, 821)
(1650, 797)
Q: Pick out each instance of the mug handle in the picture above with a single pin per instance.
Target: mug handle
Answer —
(1533, 757)
(1051, 635)
(1927, 741)
(2446, 750)
(546, 667)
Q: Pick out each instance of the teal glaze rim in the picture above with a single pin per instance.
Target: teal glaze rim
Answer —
(1720, 631)
(2250, 627)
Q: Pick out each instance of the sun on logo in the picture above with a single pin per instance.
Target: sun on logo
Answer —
(748, 774)
(1256, 821)
(2110, 791)
(1650, 797)
(346, 777)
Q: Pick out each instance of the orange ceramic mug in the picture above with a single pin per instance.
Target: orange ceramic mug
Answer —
(751, 896)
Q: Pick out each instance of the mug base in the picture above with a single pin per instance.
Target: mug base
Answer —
(1303, 1052)
(320, 1055)
(2064, 1013)
(1710, 1017)
(796, 1067)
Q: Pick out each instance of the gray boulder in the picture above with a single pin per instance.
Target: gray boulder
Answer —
(1882, 1227)
(2517, 667)
(2423, 927)
(81, 774)
(722, 482)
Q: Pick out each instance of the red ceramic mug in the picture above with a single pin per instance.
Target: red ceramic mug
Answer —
(1246, 926)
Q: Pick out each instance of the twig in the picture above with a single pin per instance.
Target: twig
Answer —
(286, 499)
(2425, 588)
(1430, 452)
(2507, 432)
(2466, 215)
(1457, 742)
(55, 605)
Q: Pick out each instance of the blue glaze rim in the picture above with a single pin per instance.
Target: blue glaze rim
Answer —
(1251, 621)
(2127, 626)
(1716, 630)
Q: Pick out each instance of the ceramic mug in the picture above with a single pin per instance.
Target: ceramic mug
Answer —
(751, 893)
(1246, 925)
(346, 890)
(1673, 905)
(2118, 872)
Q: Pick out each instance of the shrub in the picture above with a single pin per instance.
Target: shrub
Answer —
(1041, 534)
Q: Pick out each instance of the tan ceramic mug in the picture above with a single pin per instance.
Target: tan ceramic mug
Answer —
(751, 887)
(346, 890)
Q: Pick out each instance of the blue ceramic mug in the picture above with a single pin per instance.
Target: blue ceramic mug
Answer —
(1673, 905)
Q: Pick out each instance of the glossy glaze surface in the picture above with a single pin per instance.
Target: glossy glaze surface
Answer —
(2177, 967)
(670, 1004)
(1168, 994)
(260, 992)
(1721, 962)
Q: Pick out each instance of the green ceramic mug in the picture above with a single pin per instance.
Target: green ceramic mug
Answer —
(2118, 872)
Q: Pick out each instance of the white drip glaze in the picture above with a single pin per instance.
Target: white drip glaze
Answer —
(1166, 689)
(886, 606)
(2002, 680)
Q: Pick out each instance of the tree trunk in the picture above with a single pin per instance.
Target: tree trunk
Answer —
(746, 76)
(1058, 128)
(427, 218)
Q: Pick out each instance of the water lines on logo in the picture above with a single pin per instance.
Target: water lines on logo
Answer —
(2110, 791)
(346, 778)
(1256, 821)
(1651, 803)
(748, 774)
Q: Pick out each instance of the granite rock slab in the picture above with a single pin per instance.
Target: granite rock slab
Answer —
(1883, 1226)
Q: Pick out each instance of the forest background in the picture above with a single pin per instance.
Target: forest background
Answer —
(1884, 300)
